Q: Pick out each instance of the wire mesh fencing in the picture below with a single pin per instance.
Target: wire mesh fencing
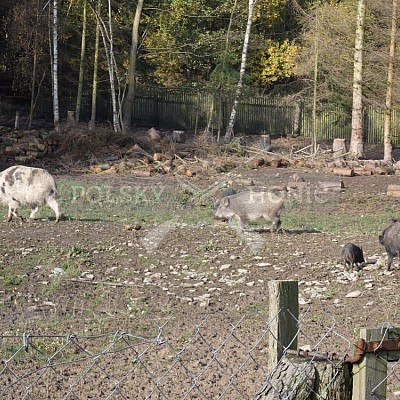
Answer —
(214, 356)
(217, 357)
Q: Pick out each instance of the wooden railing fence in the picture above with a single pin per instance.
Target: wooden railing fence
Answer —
(194, 110)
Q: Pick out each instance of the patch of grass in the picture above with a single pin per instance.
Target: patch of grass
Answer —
(256, 308)
(11, 278)
(103, 202)
(368, 223)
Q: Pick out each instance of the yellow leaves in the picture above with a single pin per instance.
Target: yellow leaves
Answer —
(270, 11)
(277, 62)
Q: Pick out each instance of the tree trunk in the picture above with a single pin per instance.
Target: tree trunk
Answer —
(357, 134)
(303, 379)
(130, 97)
(33, 84)
(95, 69)
(314, 112)
(81, 64)
(107, 36)
(232, 118)
(389, 88)
(110, 59)
(56, 107)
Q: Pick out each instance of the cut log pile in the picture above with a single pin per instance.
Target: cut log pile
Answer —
(23, 147)
(173, 152)
(362, 167)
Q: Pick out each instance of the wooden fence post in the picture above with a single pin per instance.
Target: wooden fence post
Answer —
(284, 316)
(16, 124)
(369, 376)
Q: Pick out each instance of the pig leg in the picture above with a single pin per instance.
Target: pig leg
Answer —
(236, 220)
(12, 210)
(52, 203)
(35, 209)
(390, 260)
(276, 224)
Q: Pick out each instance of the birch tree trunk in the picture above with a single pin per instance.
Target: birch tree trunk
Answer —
(130, 97)
(92, 121)
(110, 58)
(82, 63)
(387, 145)
(108, 40)
(56, 108)
(357, 134)
(232, 118)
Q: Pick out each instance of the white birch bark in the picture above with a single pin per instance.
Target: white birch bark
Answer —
(107, 36)
(92, 121)
(232, 118)
(110, 58)
(357, 134)
(56, 107)
(387, 144)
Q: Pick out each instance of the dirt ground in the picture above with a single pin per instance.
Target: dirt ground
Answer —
(201, 278)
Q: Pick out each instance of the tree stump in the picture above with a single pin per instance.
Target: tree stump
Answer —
(70, 119)
(177, 136)
(339, 148)
(266, 142)
(297, 378)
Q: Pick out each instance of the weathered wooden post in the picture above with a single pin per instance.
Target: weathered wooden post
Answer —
(369, 376)
(284, 315)
(291, 375)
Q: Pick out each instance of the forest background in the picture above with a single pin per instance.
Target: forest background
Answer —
(297, 49)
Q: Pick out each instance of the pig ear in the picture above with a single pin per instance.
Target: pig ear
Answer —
(225, 201)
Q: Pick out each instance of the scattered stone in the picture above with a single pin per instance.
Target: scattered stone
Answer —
(354, 294)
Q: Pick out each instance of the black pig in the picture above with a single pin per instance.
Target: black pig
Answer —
(352, 254)
(390, 239)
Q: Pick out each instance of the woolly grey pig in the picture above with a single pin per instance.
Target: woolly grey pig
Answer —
(352, 254)
(226, 192)
(251, 206)
(390, 238)
(20, 186)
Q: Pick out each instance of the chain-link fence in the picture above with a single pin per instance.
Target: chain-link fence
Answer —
(217, 357)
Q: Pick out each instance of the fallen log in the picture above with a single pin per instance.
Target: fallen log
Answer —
(382, 170)
(361, 171)
(141, 173)
(276, 163)
(343, 171)
(393, 191)
(330, 186)
(256, 162)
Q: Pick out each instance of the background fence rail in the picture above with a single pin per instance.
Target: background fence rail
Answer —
(191, 110)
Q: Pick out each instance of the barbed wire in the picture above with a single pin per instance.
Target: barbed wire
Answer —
(218, 357)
